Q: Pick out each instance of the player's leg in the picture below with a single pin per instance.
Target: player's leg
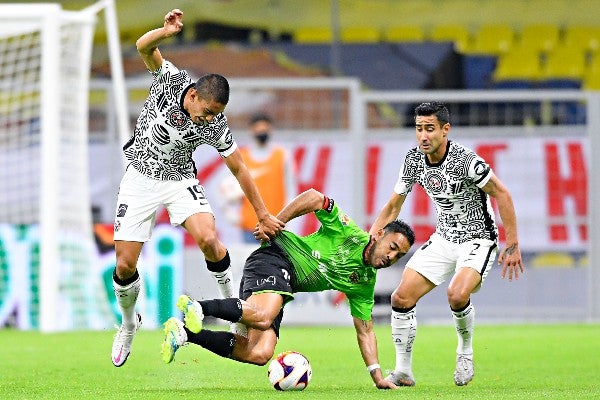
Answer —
(428, 267)
(133, 226)
(475, 258)
(412, 287)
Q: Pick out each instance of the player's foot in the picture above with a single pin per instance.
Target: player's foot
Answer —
(464, 369)
(400, 379)
(192, 313)
(175, 337)
(122, 343)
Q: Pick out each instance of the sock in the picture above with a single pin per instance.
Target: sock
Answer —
(221, 271)
(227, 309)
(404, 331)
(219, 342)
(464, 321)
(126, 292)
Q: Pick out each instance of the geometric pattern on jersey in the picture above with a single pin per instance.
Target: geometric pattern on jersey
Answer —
(165, 137)
(464, 211)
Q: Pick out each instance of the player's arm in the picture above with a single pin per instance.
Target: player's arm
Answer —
(308, 201)
(388, 212)
(147, 44)
(269, 225)
(510, 256)
(367, 342)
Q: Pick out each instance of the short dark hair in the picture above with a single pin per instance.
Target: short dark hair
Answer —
(399, 226)
(260, 117)
(213, 87)
(433, 108)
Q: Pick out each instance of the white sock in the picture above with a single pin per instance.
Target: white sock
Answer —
(224, 282)
(126, 298)
(404, 331)
(464, 321)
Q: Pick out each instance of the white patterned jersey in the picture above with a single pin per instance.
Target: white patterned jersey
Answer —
(165, 137)
(464, 211)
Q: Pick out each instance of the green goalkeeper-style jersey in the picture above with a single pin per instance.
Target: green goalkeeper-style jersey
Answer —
(332, 258)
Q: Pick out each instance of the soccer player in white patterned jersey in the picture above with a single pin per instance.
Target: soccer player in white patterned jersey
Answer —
(464, 244)
(178, 116)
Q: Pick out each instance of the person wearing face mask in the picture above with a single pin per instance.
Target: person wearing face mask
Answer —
(271, 168)
(179, 115)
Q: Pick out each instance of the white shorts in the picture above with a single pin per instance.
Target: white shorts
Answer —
(439, 259)
(140, 197)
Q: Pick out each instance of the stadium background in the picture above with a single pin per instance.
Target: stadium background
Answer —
(392, 45)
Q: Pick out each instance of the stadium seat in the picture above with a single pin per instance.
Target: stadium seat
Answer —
(539, 37)
(586, 38)
(553, 260)
(492, 39)
(459, 34)
(404, 33)
(313, 35)
(359, 34)
(564, 67)
(518, 65)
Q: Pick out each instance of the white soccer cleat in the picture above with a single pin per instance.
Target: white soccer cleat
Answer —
(122, 343)
(192, 313)
(400, 379)
(465, 370)
(175, 337)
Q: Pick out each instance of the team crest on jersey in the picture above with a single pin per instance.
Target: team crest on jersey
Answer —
(345, 220)
(177, 118)
(435, 182)
(353, 278)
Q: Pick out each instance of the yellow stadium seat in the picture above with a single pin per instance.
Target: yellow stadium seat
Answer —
(492, 39)
(553, 260)
(459, 34)
(586, 38)
(565, 63)
(313, 35)
(404, 33)
(539, 37)
(360, 34)
(518, 64)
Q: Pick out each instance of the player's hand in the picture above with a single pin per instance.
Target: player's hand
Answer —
(385, 384)
(510, 259)
(268, 227)
(173, 21)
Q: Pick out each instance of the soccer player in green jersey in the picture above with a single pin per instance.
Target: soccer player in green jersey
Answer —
(338, 256)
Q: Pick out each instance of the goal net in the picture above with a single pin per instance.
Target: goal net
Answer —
(45, 207)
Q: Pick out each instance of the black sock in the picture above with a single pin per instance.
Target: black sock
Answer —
(227, 309)
(219, 266)
(127, 281)
(219, 342)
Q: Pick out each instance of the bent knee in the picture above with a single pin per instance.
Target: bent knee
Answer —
(458, 298)
(398, 300)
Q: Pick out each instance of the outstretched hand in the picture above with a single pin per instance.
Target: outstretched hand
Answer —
(173, 21)
(385, 384)
(512, 264)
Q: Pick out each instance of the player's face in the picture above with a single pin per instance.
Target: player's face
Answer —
(431, 135)
(388, 249)
(203, 111)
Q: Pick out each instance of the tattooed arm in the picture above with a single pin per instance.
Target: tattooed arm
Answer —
(367, 342)
(510, 256)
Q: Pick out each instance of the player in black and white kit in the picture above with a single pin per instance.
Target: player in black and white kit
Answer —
(178, 116)
(464, 244)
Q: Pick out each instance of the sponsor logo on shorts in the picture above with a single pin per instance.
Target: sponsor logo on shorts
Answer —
(270, 280)
(122, 209)
(117, 226)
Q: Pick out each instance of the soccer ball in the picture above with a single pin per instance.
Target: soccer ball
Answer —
(290, 370)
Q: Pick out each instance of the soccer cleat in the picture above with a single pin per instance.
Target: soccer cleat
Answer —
(175, 337)
(400, 379)
(464, 369)
(192, 313)
(122, 343)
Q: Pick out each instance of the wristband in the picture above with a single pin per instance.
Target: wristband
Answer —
(373, 367)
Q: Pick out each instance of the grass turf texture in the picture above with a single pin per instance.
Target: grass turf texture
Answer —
(511, 362)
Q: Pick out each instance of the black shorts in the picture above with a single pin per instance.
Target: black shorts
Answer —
(268, 270)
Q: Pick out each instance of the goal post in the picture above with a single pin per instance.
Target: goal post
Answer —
(45, 64)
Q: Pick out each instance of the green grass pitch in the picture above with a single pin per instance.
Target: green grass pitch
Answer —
(511, 362)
